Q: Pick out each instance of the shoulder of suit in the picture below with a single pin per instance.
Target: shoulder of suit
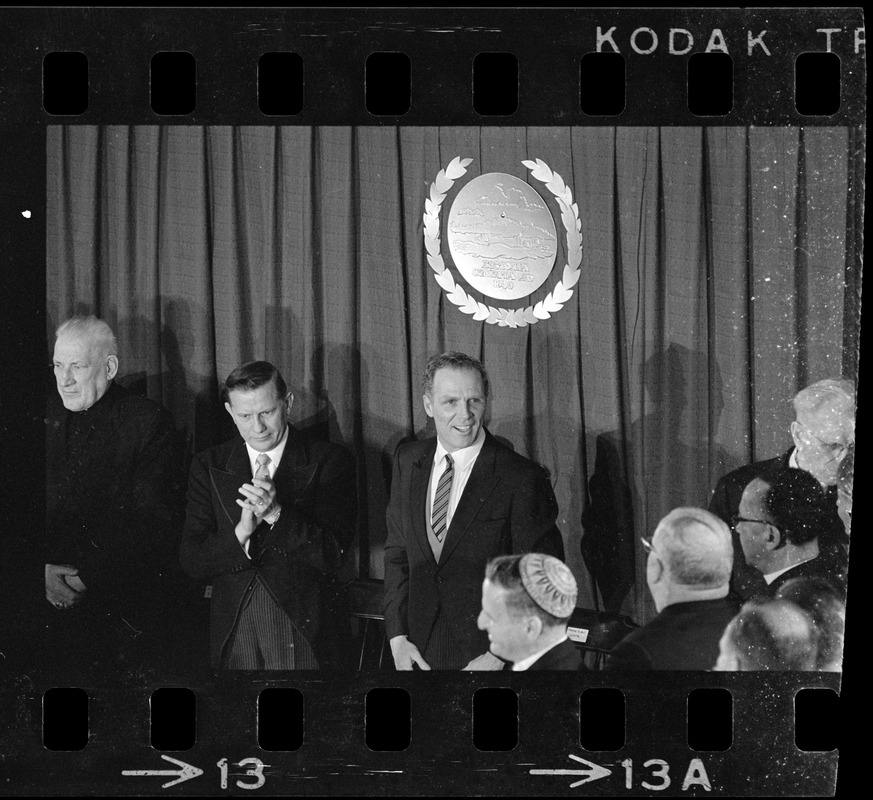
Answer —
(742, 476)
(135, 406)
(512, 461)
(319, 449)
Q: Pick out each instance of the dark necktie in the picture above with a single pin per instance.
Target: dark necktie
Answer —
(441, 500)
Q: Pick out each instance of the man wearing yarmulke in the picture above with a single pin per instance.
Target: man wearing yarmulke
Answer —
(527, 601)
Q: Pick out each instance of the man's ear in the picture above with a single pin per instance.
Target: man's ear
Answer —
(773, 538)
(229, 409)
(111, 367)
(534, 627)
(289, 401)
(795, 434)
(658, 570)
(428, 405)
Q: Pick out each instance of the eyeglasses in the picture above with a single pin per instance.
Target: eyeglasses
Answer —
(736, 519)
(647, 545)
(836, 449)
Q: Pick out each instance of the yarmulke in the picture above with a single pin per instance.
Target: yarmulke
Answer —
(549, 583)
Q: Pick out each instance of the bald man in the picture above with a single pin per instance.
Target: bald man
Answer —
(769, 635)
(688, 574)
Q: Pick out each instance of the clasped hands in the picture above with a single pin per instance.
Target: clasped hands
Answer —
(258, 501)
(63, 586)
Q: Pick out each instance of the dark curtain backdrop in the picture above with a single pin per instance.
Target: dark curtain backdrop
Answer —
(720, 274)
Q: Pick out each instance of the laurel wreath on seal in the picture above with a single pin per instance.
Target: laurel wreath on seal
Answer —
(504, 317)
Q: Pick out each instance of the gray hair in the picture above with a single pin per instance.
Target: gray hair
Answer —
(696, 547)
(773, 635)
(840, 393)
(92, 328)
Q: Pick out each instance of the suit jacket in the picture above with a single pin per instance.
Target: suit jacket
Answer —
(828, 565)
(682, 636)
(115, 499)
(565, 656)
(747, 581)
(508, 506)
(296, 560)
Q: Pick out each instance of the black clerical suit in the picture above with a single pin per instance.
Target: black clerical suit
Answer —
(114, 496)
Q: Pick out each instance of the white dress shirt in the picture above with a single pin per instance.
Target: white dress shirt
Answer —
(464, 460)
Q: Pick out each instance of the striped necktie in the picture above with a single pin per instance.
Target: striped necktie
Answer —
(441, 500)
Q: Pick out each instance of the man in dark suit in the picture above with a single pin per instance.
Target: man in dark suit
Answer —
(114, 509)
(688, 572)
(456, 501)
(527, 602)
(779, 525)
(269, 515)
(822, 431)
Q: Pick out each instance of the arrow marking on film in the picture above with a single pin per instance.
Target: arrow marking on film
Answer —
(594, 772)
(186, 773)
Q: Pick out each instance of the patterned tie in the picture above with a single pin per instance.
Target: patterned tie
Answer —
(262, 472)
(441, 500)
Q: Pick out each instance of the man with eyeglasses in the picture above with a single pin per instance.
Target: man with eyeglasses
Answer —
(822, 431)
(779, 524)
(688, 573)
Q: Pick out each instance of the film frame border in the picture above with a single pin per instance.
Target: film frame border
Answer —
(226, 96)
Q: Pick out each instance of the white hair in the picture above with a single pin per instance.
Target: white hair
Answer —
(830, 392)
(696, 547)
(92, 328)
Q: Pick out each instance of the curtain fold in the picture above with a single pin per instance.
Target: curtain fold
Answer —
(720, 274)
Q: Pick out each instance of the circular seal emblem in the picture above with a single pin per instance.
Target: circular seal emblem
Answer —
(561, 292)
(502, 236)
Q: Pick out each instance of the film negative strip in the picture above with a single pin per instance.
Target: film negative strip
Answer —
(339, 192)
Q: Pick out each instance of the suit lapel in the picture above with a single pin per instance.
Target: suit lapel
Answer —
(479, 486)
(419, 484)
(226, 482)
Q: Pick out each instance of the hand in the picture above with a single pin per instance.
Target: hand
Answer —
(487, 661)
(259, 500)
(75, 582)
(406, 654)
(57, 591)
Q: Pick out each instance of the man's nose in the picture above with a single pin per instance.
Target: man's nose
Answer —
(67, 377)
(259, 425)
(480, 622)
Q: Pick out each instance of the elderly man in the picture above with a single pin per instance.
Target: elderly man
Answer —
(114, 497)
(688, 574)
(269, 516)
(527, 602)
(771, 635)
(822, 431)
(845, 482)
(779, 527)
(457, 501)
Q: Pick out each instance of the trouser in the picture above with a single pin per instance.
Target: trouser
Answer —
(265, 638)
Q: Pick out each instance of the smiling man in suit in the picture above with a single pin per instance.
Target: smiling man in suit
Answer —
(457, 501)
(269, 515)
